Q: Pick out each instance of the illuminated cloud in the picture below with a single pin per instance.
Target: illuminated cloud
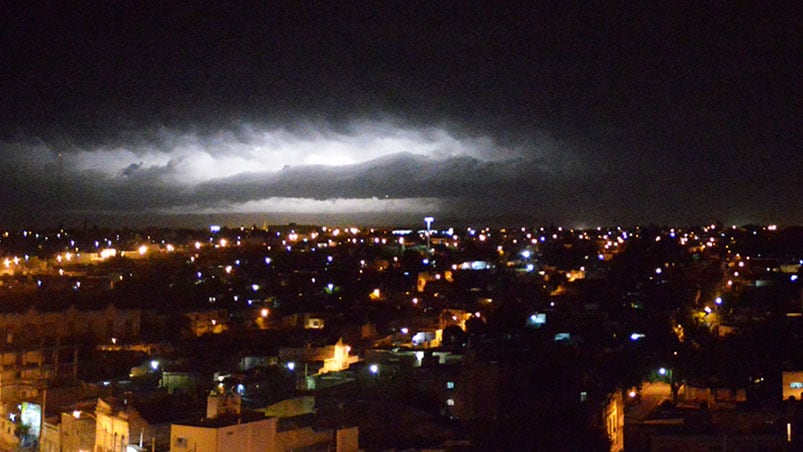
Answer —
(363, 167)
(651, 115)
(187, 159)
(379, 169)
(313, 206)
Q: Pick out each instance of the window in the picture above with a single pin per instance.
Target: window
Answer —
(796, 385)
(181, 442)
(449, 385)
(449, 402)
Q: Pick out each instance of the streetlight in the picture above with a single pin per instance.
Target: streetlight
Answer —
(428, 221)
(669, 374)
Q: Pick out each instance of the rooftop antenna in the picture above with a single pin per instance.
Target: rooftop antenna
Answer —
(428, 221)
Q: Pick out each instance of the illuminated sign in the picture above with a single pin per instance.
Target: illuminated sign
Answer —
(31, 415)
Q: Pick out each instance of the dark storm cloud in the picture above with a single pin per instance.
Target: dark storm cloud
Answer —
(365, 160)
(646, 113)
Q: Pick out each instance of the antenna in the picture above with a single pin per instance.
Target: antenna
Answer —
(428, 221)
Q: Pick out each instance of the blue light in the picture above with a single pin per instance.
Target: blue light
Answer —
(561, 337)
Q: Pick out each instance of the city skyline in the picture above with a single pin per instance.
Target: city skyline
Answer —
(163, 114)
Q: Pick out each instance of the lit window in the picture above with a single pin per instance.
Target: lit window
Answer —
(449, 402)
(796, 385)
(449, 385)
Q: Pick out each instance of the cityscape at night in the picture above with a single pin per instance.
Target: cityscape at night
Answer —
(400, 226)
(339, 338)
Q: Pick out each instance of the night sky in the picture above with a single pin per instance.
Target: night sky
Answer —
(386, 111)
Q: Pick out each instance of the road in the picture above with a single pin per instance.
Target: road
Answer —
(652, 394)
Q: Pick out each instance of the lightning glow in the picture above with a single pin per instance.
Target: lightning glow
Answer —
(191, 159)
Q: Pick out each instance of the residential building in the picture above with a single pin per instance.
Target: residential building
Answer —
(227, 427)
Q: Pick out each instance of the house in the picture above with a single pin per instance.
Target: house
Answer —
(30, 326)
(333, 357)
(214, 321)
(137, 423)
(613, 415)
(340, 359)
(227, 427)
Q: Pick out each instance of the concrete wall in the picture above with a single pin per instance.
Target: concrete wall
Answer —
(77, 433)
(347, 440)
(51, 438)
(8, 440)
(260, 436)
(111, 432)
(250, 436)
(302, 437)
(191, 438)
